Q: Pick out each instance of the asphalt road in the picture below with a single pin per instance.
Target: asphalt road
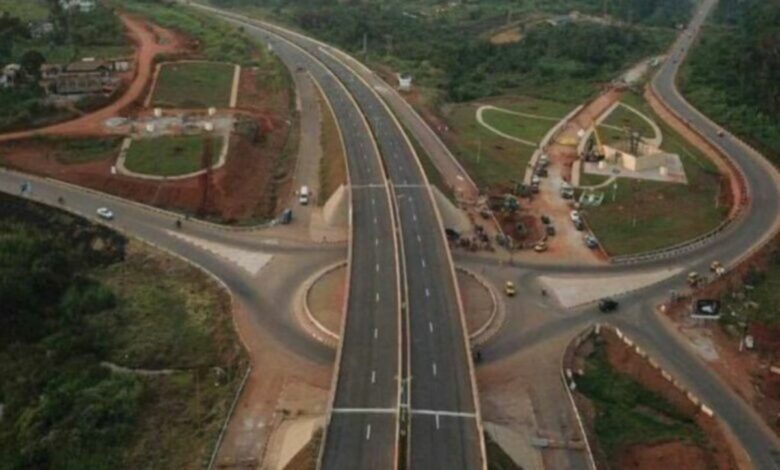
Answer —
(441, 398)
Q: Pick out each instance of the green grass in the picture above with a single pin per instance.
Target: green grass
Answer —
(649, 215)
(26, 10)
(765, 292)
(522, 127)
(587, 179)
(624, 117)
(627, 413)
(194, 85)
(490, 159)
(171, 156)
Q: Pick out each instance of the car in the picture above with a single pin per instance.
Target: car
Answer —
(608, 304)
(575, 216)
(567, 192)
(535, 179)
(105, 213)
(540, 247)
(535, 188)
(545, 219)
(303, 195)
(721, 133)
(579, 225)
(717, 268)
(509, 289)
(694, 279)
(591, 242)
(550, 230)
(542, 172)
(287, 216)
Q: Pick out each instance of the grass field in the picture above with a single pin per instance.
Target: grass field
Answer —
(194, 85)
(26, 10)
(624, 117)
(647, 215)
(627, 413)
(171, 155)
(490, 159)
(522, 127)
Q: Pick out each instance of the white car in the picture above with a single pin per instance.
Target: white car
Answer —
(105, 213)
(575, 216)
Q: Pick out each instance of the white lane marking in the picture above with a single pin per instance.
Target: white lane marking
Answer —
(376, 242)
(423, 262)
(419, 239)
(373, 376)
(427, 292)
(368, 432)
(449, 414)
(375, 220)
(373, 201)
(430, 326)
(414, 217)
(365, 410)
(434, 368)
(376, 333)
(250, 261)
(377, 267)
(377, 296)
(437, 421)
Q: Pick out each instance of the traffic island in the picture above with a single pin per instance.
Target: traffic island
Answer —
(323, 297)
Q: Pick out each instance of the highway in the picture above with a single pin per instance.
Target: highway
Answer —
(441, 398)
(362, 431)
(403, 345)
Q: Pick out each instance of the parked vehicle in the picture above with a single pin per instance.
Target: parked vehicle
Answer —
(567, 192)
(608, 304)
(545, 219)
(287, 216)
(303, 195)
(575, 216)
(540, 247)
(550, 230)
(579, 225)
(105, 213)
(509, 289)
(591, 242)
(694, 279)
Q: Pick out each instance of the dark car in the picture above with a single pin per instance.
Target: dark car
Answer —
(607, 305)
(545, 220)
(579, 225)
(550, 230)
(452, 235)
(287, 216)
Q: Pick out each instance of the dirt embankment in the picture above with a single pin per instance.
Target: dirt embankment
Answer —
(715, 453)
(748, 373)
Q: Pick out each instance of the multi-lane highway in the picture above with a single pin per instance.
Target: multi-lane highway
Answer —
(440, 394)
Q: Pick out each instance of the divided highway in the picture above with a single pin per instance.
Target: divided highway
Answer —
(362, 431)
(440, 394)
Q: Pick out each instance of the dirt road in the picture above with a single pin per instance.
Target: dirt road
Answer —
(150, 40)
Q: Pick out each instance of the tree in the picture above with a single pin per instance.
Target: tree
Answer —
(31, 62)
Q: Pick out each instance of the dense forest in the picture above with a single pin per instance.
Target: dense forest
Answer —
(733, 74)
(445, 47)
(73, 295)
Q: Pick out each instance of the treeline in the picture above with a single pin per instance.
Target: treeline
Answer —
(449, 53)
(733, 74)
(59, 405)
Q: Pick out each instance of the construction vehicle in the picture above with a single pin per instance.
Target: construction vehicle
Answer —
(594, 153)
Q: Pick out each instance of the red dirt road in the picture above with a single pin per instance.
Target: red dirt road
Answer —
(150, 41)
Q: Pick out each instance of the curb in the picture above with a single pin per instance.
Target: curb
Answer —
(307, 290)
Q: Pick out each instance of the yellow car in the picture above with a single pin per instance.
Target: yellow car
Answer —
(509, 289)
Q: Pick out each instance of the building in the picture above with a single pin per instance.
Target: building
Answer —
(11, 75)
(84, 6)
(40, 29)
(404, 82)
(88, 76)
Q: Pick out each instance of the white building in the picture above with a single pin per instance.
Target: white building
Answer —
(84, 6)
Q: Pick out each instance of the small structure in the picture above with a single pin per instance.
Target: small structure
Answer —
(10, 76)
(40, 29)
(84, 6)
(405, 82)
(87, 76)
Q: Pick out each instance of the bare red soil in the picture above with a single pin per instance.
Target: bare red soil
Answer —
(716, 453)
